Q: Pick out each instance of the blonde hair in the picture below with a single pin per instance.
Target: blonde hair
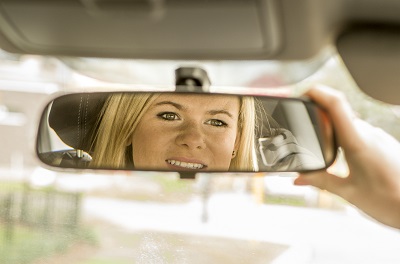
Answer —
(122, 113)
(119, 118)
(245, 159)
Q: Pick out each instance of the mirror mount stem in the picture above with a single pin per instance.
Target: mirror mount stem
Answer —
(192, 79)
(187, 175)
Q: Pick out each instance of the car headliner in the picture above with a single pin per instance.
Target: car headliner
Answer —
(212, 30)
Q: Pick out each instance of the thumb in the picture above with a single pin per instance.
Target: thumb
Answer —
(322, 180)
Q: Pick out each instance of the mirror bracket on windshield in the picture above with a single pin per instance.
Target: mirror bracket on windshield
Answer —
(192, 79)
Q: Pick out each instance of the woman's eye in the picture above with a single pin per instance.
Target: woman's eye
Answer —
(217, 123)
(168, 116)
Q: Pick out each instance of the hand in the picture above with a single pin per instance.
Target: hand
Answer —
(373, 157)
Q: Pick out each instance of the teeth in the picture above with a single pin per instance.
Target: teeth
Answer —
(188, 165)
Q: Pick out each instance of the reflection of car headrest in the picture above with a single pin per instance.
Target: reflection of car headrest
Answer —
(282, 152)
(75, 117)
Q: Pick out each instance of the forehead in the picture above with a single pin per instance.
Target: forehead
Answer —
(200, 100)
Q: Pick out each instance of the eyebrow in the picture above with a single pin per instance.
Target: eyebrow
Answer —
(216, 112)
(176, 105)
(183, 108)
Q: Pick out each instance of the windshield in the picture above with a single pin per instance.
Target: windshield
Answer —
(148, 217)
(253, 74)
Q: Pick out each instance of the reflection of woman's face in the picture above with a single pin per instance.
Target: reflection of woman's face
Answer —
(185, 132)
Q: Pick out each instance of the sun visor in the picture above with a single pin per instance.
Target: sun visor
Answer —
(372, 56)
(172, 29)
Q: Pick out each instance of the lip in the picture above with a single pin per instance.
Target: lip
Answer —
(182, 163)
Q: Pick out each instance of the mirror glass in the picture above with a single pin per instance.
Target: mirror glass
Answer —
(188, 132)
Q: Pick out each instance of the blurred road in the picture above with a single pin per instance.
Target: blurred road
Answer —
(314, 235)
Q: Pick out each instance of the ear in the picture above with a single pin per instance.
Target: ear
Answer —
(236, 146)
(129, 141)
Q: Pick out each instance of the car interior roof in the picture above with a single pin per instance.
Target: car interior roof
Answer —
(210, 30)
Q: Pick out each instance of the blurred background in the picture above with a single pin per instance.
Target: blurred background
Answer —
(89, 217)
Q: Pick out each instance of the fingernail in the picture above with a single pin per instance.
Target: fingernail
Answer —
(301, 181)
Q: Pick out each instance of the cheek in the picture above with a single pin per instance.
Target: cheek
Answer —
(140, 140)
(146, 142)
(223, 146)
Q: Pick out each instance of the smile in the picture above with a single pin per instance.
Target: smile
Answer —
(186, 165)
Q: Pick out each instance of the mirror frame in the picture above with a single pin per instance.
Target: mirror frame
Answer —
(332, 152)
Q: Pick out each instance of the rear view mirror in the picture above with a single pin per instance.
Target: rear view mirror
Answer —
(187, 132)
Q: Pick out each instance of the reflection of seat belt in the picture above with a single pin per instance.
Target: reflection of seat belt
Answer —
(275, 149)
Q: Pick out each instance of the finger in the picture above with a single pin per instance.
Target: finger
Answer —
(322, 180)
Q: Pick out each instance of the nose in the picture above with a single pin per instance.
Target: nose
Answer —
(191, 136)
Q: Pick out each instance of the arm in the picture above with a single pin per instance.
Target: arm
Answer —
(373, 157)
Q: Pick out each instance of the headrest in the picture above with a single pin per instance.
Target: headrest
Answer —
(75, 117)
